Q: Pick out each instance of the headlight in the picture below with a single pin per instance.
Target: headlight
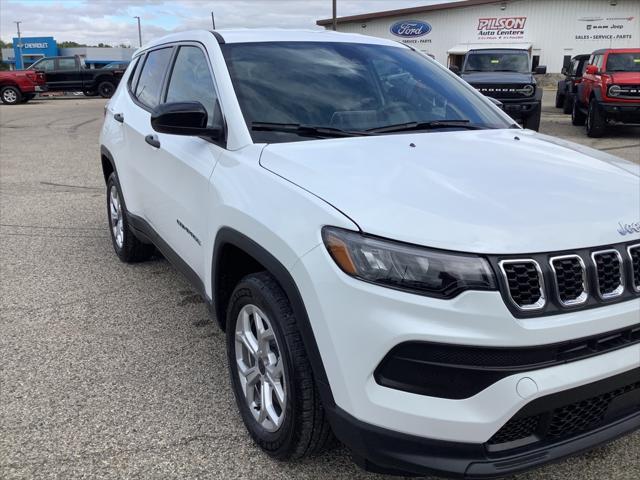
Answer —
(407, 267)
(614, 90)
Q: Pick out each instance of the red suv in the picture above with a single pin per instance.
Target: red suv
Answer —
(610, 90)
(20, 86)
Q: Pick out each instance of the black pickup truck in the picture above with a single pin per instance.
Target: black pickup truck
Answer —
(506, 75)
(71, 74)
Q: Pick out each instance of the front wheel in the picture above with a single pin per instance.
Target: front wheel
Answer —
(532, 122)
(106, 89)
(10, 95)
(89, 93)
(596, 121)
(567, 107)
(270, 372)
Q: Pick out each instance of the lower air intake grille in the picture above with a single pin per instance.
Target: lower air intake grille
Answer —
(568, 420)
(609, 273)
(524, 283)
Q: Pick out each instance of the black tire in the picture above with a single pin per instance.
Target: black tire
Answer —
(532, 122)
(578, 118)
(27, 96)
(567, 107)
(90, 93)
(304, 430)
(129, 249)
(10, 95)
(559, 99)
(106, 89)
(596, 121)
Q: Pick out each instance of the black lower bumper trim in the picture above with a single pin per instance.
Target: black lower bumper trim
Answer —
(386, 451)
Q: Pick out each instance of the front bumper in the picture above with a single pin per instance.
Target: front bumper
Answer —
(621, 112)
(385, 451)
(519, 109)
(356, 324)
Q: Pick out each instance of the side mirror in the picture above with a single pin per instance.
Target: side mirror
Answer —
(455, 69)
(591, 70)
(496, 102)
(184, 118)
(540, 70)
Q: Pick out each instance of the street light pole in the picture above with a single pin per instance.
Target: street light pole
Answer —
(334, 22)
(139, 31)
(213, 21)
(19, 67)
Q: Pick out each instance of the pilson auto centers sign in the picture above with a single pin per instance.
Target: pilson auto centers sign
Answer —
(501, 28)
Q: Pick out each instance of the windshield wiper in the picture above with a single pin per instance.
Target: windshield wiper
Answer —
(433, 125)
(311, 130)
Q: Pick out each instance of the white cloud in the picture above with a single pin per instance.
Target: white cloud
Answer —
(110, 21)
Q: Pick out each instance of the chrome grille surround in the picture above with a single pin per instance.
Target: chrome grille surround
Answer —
(542, 300)
(582, 298)
(620, 288)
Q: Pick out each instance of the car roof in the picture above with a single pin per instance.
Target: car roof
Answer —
(616, 50)
(251, 35)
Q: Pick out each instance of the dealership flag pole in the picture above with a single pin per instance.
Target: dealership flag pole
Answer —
(139, 32)
(19, 47)
(213, 21)
(333, 18)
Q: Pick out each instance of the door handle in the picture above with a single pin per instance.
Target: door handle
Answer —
(152, 140)
(118, 117)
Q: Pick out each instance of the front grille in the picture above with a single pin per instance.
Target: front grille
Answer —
(610, 280)
(570, 419)
(506, 91)
(525, 283)
(625, 91)
(570, 278)
(634, 256)
(555, 282)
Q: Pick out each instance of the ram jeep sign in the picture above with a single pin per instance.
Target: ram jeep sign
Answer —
(410, 29)
(499, 28)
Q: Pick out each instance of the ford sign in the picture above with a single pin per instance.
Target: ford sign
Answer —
(410, 28)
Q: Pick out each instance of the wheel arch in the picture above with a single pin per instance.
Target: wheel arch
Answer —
(108, 164)
(231, 245)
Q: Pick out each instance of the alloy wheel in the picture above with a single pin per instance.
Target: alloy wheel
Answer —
(115, 216)
(9, 96)
(260, 368)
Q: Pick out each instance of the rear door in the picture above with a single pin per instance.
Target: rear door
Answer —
(67, 75)
(182, 165)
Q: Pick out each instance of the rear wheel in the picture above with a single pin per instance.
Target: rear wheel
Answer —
(567, 107)
(560, 99)
(577, 115)
(10, 95)
(596, 121)
(128, 248)
(106, 89)
(270, 373)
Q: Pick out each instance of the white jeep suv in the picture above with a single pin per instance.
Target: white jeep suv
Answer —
(393, 260)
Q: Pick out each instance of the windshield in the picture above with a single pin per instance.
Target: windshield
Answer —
(623, 62)
(497, 62)
(346, 86)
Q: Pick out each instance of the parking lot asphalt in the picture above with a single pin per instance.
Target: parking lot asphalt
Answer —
(110, 370)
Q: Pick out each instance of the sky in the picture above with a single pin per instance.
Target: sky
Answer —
(111, 22)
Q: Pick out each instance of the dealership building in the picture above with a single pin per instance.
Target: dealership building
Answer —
(27, 50)
(554, 30)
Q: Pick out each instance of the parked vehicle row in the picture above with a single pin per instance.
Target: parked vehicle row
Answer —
(602, 89)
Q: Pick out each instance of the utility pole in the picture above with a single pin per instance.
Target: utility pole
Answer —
(139, 31)
(20, 66)
(334, 22)
(213, 21)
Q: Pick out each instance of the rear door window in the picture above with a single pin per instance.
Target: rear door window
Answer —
(66, 64)
(152, 76)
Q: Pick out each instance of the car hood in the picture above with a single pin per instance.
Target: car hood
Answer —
(628, 78)
(497, 77)
(488, 191)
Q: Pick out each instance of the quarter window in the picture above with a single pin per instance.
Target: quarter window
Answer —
(151, 77)
(191, 81)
